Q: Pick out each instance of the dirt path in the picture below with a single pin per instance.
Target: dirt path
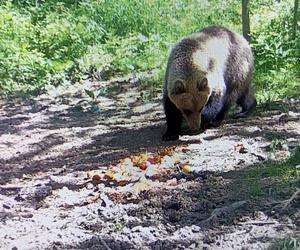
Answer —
(49, 145)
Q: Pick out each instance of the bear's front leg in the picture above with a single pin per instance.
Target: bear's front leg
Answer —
(174, 120)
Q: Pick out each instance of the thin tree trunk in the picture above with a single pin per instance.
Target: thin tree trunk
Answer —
(246, 19)
(295, 21)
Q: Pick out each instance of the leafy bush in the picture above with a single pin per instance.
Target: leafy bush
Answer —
(273, 42)
(277, 54)
(19, 62)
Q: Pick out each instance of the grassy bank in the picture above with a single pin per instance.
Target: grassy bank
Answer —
(49, 42)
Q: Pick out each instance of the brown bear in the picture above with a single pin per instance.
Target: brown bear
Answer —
(207, 72)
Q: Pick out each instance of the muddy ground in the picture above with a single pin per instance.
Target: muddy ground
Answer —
(49, 144)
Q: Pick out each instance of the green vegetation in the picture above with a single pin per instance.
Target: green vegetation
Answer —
(48, 42)
(261, 179)
(118, 226)
(277, 54)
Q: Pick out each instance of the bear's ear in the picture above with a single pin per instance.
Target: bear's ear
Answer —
(202, 85)
(179, 88)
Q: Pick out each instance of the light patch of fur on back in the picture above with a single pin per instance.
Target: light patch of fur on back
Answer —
(216, 48)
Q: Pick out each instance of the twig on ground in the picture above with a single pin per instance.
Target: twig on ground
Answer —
(223, 211)
(261, 223)
(290, 200)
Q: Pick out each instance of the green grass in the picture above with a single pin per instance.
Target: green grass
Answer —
(54, 41)
(274, 175)
(274, 85)
(49, 42)
(287, 243)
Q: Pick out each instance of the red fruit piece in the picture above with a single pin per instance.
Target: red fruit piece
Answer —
(96, 177)
(143, 165)
(172, 182)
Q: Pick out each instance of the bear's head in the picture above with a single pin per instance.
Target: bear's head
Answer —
(190, 97)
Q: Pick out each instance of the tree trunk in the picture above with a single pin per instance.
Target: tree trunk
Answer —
(246, 19)
(295, 21)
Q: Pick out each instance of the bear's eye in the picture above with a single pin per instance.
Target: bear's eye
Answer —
(202, 86)
(187, 112)
(179, 88)
(200, 110)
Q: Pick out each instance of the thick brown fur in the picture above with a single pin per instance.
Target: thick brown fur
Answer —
(207, 72)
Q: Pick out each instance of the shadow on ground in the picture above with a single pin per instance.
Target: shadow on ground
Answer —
(39, 134)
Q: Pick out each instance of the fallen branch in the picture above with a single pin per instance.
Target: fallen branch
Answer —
(258, 223)
(223, 211)
(261, 223)
(290, 200)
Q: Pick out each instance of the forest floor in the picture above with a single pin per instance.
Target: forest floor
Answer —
(76, 178)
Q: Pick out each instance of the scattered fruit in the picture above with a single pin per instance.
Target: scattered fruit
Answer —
(172, 182)
(187, 169)
(141, 172)
(96, 177)
(143, 165)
